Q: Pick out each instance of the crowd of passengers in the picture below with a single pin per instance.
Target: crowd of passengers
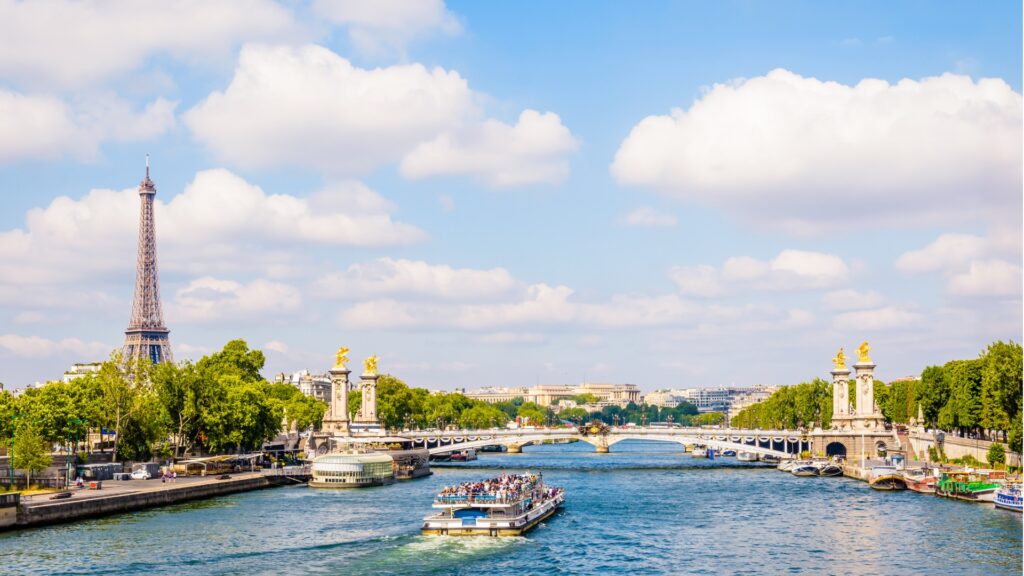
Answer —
(504, 488)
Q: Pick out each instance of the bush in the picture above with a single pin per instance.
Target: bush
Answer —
(996, 454)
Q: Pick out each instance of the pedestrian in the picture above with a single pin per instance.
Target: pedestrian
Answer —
(174, 476)
(163, 477)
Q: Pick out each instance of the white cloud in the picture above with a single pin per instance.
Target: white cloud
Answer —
(69, 44)
(387, 25)
(386, 276)
(316, 109)
(790, 270)
(851, 300)
(887, 318)
(530, 152)
(801, 153)
(209, 299)
(646, 217)
(36, 346)
(988, 278)
(277, 346)
(39, 126)
(219, 222)
(972, 265)
(947, 251)
(505, 338)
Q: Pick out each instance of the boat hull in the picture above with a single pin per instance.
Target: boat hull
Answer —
(973, 496)
(923, 486)
(831, 470)
(889, 482)
(1009, 501)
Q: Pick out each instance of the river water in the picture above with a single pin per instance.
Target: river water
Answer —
(643, 509)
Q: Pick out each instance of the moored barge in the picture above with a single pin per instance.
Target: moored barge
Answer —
(508, 505)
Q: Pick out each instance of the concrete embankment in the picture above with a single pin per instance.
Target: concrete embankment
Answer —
(119, 497)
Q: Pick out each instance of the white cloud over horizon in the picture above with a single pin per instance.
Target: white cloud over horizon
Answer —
(386, 276)
(789, 270)
(647, 217)
(798, 153)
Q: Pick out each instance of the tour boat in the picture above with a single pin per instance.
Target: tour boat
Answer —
(970, 486)
(508, 505)
(1009, 497)
(920, 480)
(747, 456)
(728, 452)
(886, 478)
(804, 469)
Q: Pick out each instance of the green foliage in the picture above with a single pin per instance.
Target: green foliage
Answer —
(510, 407)
(1001, 384)
(536, 414)
(996, 454)
(708, 419)
(300, 411)
(1014, 437)
(585, 398)
(29, 450)
(482, 415)
(933, 393)
(578, 415)
(808, 404)
(933, 454)
(235, 359)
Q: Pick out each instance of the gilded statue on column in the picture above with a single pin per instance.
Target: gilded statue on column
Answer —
(840, 360)
(341, 358)
(371, 366)
(862, 353)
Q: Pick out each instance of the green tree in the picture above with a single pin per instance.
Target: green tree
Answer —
(482, 415)
(181, 392)
(709, 419)
(1001, 384)
(934, 393)
(299, 410)
(536, 414)
(243, 418)
(124, 393)
(996, 454)
(585, 398)
(1014, 437)
(29, 451)
(963, 409)
(235, 359)
(574, 415)
(8, 409)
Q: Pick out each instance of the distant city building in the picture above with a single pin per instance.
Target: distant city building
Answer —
(749, 398)
(721, 399)
(663, 398)
(906, 379)
(81, 369)
(555, 394)
(317, 386)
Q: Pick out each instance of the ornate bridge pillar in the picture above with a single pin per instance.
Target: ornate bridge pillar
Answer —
(514, 448)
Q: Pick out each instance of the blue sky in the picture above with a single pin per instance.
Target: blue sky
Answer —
(503, 194)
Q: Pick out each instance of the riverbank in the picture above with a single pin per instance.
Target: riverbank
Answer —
(131, 495)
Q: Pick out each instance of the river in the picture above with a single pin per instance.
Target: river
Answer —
(642, 509)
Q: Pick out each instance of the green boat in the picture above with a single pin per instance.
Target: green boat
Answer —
(970, 486)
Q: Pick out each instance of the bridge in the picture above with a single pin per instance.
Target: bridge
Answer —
(779, 443)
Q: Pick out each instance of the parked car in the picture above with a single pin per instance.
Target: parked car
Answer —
(141, 474)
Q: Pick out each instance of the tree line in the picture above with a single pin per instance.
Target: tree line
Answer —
(217, 404)
(980, 396)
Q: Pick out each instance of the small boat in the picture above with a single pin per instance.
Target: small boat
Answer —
(769, 459)
(785, 465)
(920, 480)
(746, 456)
(829, 468)
(464, 455)
(805, 469)
(699, 452)
(1009, 497)
(508, 505)
(971, 486)
(728, 452)
(60, 496)
(886, 478)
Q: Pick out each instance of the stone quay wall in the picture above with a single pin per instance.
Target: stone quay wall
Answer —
(68, 510)
(957, 447)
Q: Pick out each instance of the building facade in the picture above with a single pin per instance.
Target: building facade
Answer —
(317, 386)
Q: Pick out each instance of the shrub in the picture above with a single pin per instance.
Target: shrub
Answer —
(996, 454)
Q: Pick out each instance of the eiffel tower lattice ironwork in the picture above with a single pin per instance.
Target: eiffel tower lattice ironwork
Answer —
(147, 336)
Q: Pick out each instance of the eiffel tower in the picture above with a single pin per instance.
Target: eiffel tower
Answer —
(147, 336)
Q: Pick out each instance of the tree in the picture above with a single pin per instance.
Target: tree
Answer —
(28, 451)
(996, 454)
(300, 411)
(963, 409)
(482, 415)
(243, 418)
(235, 359)
(180, 390)
(585, 398)
(1001, 383)
(1014, 437)
(121, 389)
(534, 412)
(574, 415)
(933, 393)
(8, 408)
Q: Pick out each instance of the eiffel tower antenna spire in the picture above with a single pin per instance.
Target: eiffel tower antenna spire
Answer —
(147, 336)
